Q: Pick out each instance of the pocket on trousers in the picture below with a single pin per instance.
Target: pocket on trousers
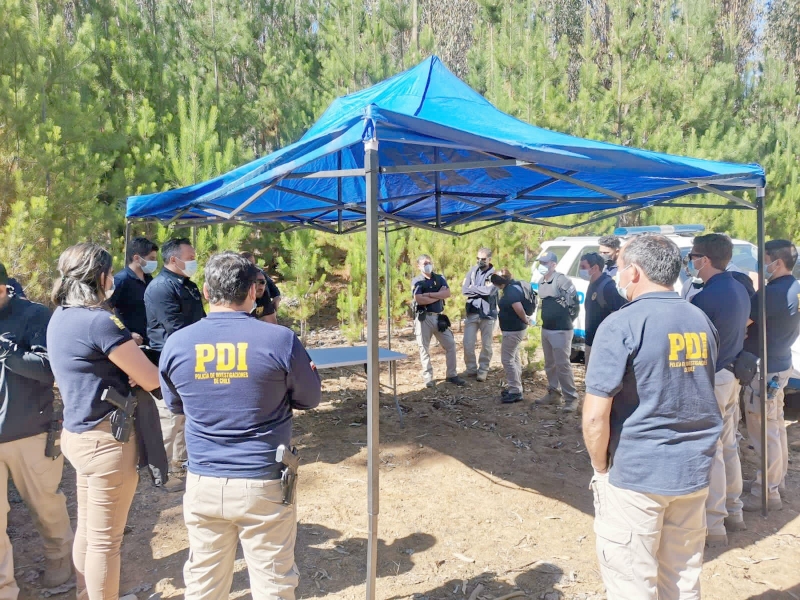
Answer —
(614, 549)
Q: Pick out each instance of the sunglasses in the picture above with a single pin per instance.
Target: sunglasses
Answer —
(692, 256)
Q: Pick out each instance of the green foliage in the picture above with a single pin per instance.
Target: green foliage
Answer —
(305, 274)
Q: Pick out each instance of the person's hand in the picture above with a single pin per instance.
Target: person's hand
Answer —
(132, 383)
(137, 338)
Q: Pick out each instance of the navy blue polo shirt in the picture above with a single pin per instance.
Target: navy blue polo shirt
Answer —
(507, 316)
(128, 300)
(237, 381)
(657, 356)
(602, 298)
(783, 323)
(726, 303)
(422, 285)
(79, 341)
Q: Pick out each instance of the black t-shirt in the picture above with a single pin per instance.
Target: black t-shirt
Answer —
(422, 285)
(507, 316)
(172, 302)
(128, 300)
(264, 306)
(79, 341)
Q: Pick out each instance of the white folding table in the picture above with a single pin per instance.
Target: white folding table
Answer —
(352, 356)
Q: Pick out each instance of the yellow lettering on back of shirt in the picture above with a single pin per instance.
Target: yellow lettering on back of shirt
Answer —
(204, 354)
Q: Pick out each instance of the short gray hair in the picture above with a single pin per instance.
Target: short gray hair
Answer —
(486, 251)
(422, 257)
(657, 256)
(229, 278)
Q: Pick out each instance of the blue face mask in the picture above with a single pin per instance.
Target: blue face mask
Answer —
(543, 269)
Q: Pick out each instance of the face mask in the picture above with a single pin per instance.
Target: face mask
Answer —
(767, 274)
(693, 271)
(149, 266)
(623, 291)
(543, 269)
(110, 291)
(427, 269)
(189, 267)
(610, 262)
(584, 274)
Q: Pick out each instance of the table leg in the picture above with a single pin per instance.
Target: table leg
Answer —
(393, 377)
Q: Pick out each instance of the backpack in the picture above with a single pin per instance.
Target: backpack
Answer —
(528, 298)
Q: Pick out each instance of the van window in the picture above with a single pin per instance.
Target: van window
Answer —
(576, 267)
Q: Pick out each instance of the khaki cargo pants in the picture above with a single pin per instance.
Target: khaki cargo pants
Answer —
(221, 512)
(426, 329)
(777, 444)
(37, 478)
(650, 547)
(472, 326)
(172, 430)
(512, 364)
(725, 487)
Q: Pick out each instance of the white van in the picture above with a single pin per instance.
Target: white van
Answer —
(569, 250)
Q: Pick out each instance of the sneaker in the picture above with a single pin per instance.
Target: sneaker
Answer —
(481, 376)
(456, 381)
(57, 571)
(549, 398)
(753, 503)
(735, 523)
(510, 398)
(430, 384)
(717, 541)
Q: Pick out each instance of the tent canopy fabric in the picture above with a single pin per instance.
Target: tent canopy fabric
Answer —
(447, 157)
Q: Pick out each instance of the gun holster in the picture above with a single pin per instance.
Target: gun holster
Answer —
(52, 448)
(122, 419)
(289, 458)
(443, 322)
(745, 367)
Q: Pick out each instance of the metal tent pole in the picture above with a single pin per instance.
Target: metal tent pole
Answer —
(373, 371)
(388, 285)
(127, 241)
(762, 346)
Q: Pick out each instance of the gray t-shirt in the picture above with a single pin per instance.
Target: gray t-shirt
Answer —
(656, 358)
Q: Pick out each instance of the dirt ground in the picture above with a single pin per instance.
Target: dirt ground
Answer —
(473, 492)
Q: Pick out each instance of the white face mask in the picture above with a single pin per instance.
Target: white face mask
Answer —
(149, 266)
(427, 269)
(543, 269)
(623, 291)
(110, 291)
(584, 274)
(189, 267)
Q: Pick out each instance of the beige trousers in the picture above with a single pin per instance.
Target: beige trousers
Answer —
(106, 482)
(37, 478)
(472, 326)
(557, 347)
(509, 355)
(777, 444)
(172, 429)
(650, 547)
(221, 512)
(725, 488)
(426, 329)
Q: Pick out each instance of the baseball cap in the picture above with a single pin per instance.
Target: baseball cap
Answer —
(547, 257)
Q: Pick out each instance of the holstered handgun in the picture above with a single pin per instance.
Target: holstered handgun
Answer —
(289, 458)
(52, 448)
(122, 417)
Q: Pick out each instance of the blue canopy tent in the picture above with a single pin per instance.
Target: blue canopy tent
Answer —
(423, 149)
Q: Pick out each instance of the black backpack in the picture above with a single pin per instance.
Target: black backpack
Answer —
(528, 298)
